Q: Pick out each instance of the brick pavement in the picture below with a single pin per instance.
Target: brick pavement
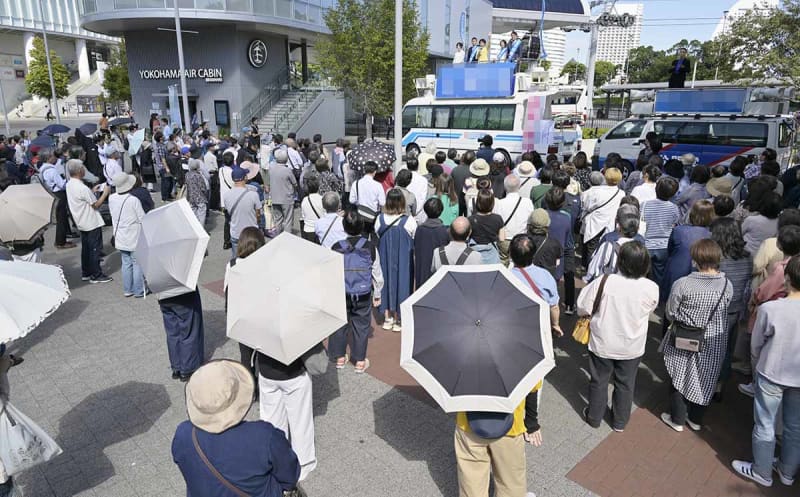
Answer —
(97, 378)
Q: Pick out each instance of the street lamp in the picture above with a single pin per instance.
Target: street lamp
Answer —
(398, 82)
(719, 53)
(187, 119)
(54, 103)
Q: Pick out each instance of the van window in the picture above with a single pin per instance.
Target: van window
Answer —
(784, 135)
(735, 134)
(627, 129)
(441, 117)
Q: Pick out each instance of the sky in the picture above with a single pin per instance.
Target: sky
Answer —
(665, 23)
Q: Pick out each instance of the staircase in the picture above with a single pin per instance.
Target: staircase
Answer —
(92, 86)
(286, 112)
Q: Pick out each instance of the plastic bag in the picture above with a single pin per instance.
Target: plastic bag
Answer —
(23, 443)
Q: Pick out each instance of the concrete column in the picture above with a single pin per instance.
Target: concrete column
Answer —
(28, 41)
(82, 57)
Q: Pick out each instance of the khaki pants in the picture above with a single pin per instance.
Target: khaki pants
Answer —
(476, 457)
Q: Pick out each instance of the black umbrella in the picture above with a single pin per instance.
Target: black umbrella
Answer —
(476, 338)
(44, 140)
(54, 129)
(372, 151)
(117, 121)
(88, 128)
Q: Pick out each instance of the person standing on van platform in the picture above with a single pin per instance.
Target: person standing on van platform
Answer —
(679, 69)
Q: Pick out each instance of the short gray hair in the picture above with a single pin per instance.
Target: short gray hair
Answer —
(596, 178)
(281, 156)
(194, 164)
(74, 167)
(330, 202)
(511, 183)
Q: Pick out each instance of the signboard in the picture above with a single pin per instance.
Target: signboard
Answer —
(707, 100)
(210, 74)
(475, 81)
(609, 19)
(12, 60)
(257, 53)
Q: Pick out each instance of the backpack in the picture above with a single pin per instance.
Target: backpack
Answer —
(357, 266)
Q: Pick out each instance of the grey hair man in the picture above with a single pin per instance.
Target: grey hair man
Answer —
(283, 189)
(457, 252)
(514, 209)
(84, 208)
(329, 228)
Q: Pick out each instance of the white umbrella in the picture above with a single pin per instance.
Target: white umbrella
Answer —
(25, 211)
(31, 292)
(476, 338)
(135, 141)
(286, 297)
(171, 247)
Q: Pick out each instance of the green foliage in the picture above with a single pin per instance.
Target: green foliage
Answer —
(603, 72)
(359, 53)
(37, 81)
(575, 70)
(116, 82)
(591, 133)
(545, 64)
(764, 44)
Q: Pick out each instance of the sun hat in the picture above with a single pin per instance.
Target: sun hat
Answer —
(430, 148)
(239, 174)
(490, 424)
(719, 186)
(251, 167)
(218, 395)
(479, 167)
(539, 218)
(526, 169)
(123, 182)
(498, 157)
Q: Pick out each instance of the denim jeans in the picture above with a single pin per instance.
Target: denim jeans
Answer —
(132, 277)
(658, 264)
(768, 399)
(91, 245)
(234, 246)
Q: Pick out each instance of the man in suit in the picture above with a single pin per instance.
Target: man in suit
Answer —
(679, 69)
(472, 51)
(282, 187)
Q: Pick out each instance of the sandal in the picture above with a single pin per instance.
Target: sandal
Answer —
(361, 370)
(343, 364)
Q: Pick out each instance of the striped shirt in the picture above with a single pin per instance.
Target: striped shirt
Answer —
(738, 272)
(661, 216)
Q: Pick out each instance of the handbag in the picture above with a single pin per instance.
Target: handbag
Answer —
(316, 360)
(119, 217)
(269, 220)
(692, 338)
(582, 330)
(23, 443)
(230, 486)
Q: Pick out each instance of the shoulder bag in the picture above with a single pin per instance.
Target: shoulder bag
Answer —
(692, 338)
(512, 212)
(229, 213)
(230, 486)
(585, 214)
(365, 212)
(119, 218)
(582, 331)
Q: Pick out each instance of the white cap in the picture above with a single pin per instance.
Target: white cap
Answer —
(499, 157)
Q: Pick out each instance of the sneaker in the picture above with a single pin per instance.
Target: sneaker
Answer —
(569, 310)
(101, 279)
(742, 367)
(387, 324)
(85, 278)
(618, 430)
(128, 295)
(397, 327)
(745, 468)
(747, 389)
(67, 245)
(667, 419)
(784, 479)
(145, 294)
(693, 426)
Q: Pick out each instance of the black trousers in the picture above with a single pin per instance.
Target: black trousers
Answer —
(569, 288)
(681, 408)
(600, 370)
(91, 246)
(214, 202)
(226, 231)
(62, 217)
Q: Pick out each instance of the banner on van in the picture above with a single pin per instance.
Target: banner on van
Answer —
(701, 101)
(475, 81)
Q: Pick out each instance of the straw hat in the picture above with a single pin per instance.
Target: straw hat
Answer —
(526, 169)
(123, 182)
(479, 168)
(218, 395)
(719, 186)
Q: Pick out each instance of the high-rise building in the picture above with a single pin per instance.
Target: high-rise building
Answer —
(614, 42)
(739, 9)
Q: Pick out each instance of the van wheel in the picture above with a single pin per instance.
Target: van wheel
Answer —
(412, 148)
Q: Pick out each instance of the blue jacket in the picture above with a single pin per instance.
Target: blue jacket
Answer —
(253, 456)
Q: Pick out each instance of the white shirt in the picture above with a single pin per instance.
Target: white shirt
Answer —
(126, 218)
(225, 180)
(602, 213)
(419, 187)
(458, 58)
(619, 329)
(519, 221)
(526, 185)
(210, 161)
(80, 199)
(111, 168)
(336, 232)
(644, 192)
(295, 159)
(369, 193)
(307, 207)
(410, 226)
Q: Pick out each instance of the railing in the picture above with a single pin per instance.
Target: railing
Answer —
(296, 108)
(269, 95)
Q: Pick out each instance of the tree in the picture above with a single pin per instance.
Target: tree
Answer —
(763, 43)
(603, 72)
(37, 81)
(116, 82)
(359, 53)
(648, 65)
(575, 70)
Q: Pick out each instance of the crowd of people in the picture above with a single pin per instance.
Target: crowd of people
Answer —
(712, 251)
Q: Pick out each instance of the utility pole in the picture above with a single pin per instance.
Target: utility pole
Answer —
(719, 53)
(398, 83)
(187, 119)
(54, 103)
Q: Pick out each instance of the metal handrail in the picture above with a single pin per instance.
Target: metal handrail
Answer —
(269, 95)
(294, 109)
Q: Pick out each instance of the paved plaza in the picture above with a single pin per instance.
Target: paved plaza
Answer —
(97, 378)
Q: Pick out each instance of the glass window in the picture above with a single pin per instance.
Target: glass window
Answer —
(239, 5)
(477, 116)
(210, 4)
(314, 15)
(124, 4)
(460, 117)
(151, 3)
(738, 134)
(628, 129)
(417, 117)
(410, 116)
(283, 8)
(784, 135)
(300, 10)
(501, 117)
(266, 7)
(441, 117)
(221, 113)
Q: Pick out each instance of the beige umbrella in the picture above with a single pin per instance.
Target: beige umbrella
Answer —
(286, 297)
(25, 211)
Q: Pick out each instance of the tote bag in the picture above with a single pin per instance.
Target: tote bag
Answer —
(23, 443)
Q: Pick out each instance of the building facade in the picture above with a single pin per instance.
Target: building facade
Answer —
(21, 21)
(615, 42)
(739, 9)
